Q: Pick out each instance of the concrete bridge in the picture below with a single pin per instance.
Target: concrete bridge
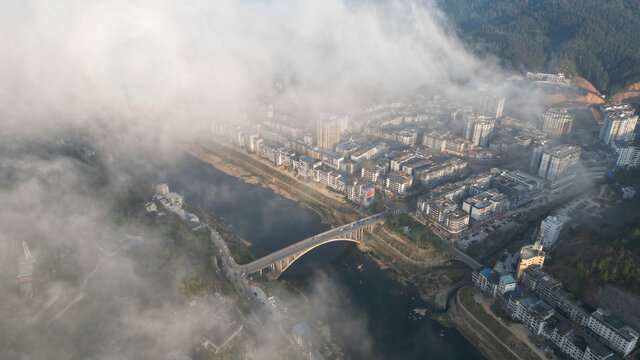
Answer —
(276, 263)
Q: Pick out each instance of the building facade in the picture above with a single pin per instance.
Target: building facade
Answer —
(557, 122)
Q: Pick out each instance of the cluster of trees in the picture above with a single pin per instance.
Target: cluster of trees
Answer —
(592, 38)
(417, 232)
(610, 255)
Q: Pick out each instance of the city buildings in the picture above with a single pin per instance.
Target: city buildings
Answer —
(549, 289)
(491, 106)
(537, 149)
(374, 172)
(619, 123)
(442, 141)
(399, 182)
(519, 186)
(360, 192)
(550, 231)
(613, 331)
(557, 122)
(558, 165)
(492, 283)
(530, 255)
(440, 172)
(628, 155)
(532, 312)
(478, 130)
(485, 205)
(328, 132)
(559, 78)
(162, 189)
(444, 212)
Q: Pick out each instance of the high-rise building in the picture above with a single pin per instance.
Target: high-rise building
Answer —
(530, 255)
(491, 106)
(557, 122)
(618, 124)
(536, 154)
(478, 130)
(559, 162)
(550, 230)
(628, 156)
(328, 132)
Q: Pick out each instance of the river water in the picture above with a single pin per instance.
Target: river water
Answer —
(380, 304)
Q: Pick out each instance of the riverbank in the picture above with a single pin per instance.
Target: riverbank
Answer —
(434, 273)
(332, 207)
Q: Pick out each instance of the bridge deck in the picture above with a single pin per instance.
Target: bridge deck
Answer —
(309, 243)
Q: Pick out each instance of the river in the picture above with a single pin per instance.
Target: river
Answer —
(383, 305)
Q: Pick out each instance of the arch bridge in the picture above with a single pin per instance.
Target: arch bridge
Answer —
(276, 263)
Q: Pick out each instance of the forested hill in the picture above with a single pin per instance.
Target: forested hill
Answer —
(596, 39)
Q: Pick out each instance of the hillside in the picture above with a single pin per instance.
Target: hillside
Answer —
(597, 40)
(599, 256)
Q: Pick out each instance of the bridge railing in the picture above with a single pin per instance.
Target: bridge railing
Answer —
(309, 242)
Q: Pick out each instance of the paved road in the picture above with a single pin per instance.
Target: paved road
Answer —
(471, 262)
(308, 243)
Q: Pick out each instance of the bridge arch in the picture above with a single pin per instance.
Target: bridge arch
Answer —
(301, 254)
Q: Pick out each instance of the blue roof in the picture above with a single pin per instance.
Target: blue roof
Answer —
(343, 179)
(507, 279)
(486, 272)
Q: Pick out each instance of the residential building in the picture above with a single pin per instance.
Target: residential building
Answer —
(613, 332)
(328, 132)
(361, 192)
(550, 231)
(486, 204)
(478, 130)
(516, 123)
(557, 122)
(162, 189)
(628, 155)
(490, 282)
(537, 150)
(530, 255)
(520, 187)
(548, 78)
(369, 152)
(444, 212)
(575, 342)
(440, 172)
(549, 289)
(374, 172)
(558, 165)
(399, 182)
(331, 159)
(619, 123)
(491, 106)
(532, 312)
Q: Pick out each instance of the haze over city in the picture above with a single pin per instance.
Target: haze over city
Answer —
(319, 180)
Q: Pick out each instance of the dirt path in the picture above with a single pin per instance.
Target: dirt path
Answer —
(484, 327)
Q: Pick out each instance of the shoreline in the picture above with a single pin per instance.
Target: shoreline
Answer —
(432, 295)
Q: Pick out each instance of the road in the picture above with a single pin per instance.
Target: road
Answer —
(484, 327)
